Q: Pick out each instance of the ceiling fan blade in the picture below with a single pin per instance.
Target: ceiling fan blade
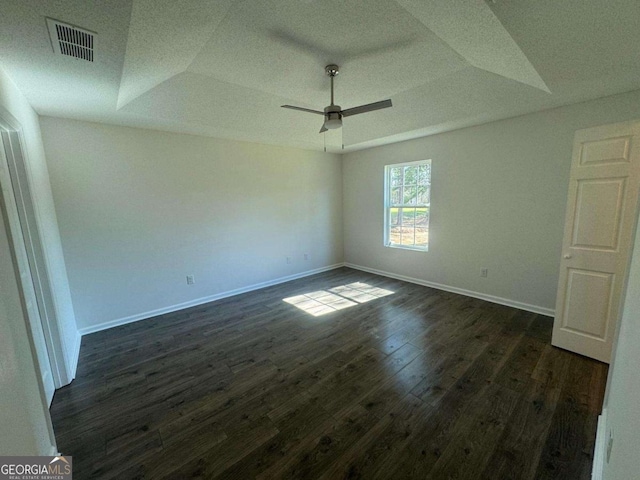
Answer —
(370, 107)
(292, 107)
(323, 129)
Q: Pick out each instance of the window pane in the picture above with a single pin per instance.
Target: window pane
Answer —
(410, 195)
(424, 172)
(422, 217)
(410, 175)
(407, 236)
(396, 198)
(422, 236)
(424, 193)
(395, 235)
(393, 216)
(408, 216)
(395, 175)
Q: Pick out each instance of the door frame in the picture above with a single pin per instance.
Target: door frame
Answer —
(16, 158)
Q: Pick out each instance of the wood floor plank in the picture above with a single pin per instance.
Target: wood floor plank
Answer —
(339, 392)
(516, 373)
(312, 462)
(214, 460)
(568, 451)
(394, 388)
(433, 437)
(475, 434)
(385, 440)
(518, 450)
(417, 384)
(304, 423)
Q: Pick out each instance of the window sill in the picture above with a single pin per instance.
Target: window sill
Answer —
(406, 247)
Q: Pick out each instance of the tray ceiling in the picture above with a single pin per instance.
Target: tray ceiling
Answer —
(223, 67)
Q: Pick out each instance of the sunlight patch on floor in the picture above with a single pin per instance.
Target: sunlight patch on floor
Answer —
(322, 302)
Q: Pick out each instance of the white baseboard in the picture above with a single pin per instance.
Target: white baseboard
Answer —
(202, 300)
(469, 293)
(257, 286)
(600, 450)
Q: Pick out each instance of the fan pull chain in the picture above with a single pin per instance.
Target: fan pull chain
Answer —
(324, 138)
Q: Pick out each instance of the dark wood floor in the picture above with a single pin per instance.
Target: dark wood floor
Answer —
(418, 384)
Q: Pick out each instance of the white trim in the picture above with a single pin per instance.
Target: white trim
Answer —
(250, 288)
(469, 293)
(599, 451)
(202, 300)
(75, 355)
(19, 158)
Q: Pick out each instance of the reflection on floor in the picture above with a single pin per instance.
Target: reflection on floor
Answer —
(327, 301)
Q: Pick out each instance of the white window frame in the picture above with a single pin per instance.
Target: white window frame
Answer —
(388, 206)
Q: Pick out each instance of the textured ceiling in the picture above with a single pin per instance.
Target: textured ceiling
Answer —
(224, 67)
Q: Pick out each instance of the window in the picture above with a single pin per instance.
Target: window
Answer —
(407, 198)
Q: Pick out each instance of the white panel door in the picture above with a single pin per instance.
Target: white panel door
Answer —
(599, 226)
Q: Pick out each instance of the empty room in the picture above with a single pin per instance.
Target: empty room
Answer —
(320, 239)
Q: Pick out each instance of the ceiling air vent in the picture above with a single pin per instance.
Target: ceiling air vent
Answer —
(71, 41)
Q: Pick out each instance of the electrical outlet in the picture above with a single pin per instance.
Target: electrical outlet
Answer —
(484, 272)
(190, 280)
(289, 260)
(609, 444)
(306, 256)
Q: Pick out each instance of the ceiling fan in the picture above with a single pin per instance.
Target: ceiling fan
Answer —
(333, 113)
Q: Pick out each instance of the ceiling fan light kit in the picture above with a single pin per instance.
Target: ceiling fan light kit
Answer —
(333, 114)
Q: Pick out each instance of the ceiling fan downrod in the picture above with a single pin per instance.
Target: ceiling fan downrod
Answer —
(332, 70)
(332, 113)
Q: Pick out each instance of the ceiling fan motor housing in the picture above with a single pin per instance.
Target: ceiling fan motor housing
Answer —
(332, 117)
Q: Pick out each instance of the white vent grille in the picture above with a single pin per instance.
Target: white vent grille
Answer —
(71, 41)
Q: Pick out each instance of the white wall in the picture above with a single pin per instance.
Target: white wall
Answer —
(139, 210)
(25, 425)
(499, 193)
(622, 401)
